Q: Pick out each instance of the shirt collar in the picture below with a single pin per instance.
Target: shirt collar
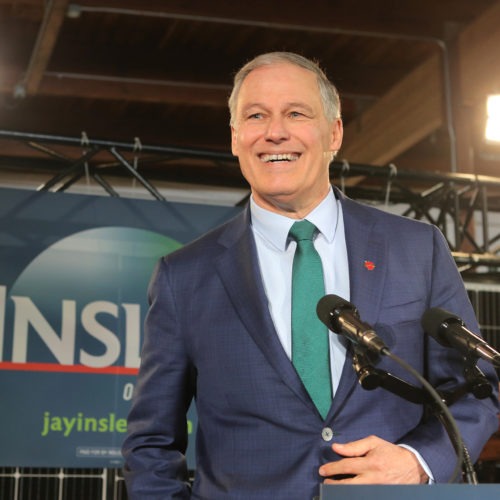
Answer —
(274, 228)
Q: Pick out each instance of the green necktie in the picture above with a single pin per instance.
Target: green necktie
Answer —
(310, 347)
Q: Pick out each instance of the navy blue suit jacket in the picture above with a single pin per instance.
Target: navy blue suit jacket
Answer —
(209, 335)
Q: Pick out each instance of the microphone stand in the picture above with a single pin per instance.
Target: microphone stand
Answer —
(475, 382)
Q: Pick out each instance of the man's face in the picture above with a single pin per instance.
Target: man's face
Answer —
(282, 139)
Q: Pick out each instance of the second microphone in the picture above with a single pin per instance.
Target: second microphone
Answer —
(342, 317)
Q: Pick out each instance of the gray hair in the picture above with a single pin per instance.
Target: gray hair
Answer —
(328, 93)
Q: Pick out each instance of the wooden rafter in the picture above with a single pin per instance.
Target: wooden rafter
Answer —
(415, 106)
(55, 11)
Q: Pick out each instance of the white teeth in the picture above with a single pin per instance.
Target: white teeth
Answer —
(279, 157)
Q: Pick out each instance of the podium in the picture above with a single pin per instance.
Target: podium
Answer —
(410, 492)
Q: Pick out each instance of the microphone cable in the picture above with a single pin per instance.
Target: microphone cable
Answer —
(331, 310)
(446, 418)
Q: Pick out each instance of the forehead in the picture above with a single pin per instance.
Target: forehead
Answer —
(278, 82)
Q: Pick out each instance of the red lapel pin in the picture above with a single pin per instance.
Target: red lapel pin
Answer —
(369, 265)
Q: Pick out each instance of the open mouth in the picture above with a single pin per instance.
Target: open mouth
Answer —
(267, 158)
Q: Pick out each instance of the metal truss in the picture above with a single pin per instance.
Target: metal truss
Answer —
(459, 204)
(73, 158)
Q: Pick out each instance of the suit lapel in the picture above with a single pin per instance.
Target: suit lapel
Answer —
(367, 259)
(239, 271)
(366, 256)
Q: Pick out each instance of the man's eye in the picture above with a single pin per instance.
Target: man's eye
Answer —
(295, 114)
(255, 116)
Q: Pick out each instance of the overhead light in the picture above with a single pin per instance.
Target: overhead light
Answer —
(74, 11)
(492, 132)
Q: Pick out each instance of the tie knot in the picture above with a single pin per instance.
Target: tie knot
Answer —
(302, 230)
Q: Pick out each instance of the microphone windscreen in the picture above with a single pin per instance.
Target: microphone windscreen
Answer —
(434, 320)
(327, 304)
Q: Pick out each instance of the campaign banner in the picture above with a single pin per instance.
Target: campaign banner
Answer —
(74, 272)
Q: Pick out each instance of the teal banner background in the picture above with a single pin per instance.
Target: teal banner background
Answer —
(74, 271)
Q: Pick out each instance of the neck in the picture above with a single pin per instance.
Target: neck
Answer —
(293, 209)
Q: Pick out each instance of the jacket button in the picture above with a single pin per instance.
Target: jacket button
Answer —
(327, 434)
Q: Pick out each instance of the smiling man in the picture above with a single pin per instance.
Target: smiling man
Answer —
(232, 323)
(283, 139)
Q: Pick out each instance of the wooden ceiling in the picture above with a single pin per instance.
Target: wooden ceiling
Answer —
(413, 75)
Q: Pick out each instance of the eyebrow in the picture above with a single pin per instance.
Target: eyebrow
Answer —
(252, 105)
(288, 105)
(300, 105)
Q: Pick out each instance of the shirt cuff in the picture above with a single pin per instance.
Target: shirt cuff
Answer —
(422, 462)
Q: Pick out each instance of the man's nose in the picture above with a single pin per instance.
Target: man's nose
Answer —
(276, 130)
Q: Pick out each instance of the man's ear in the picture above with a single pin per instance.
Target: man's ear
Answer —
(337, 135)
(234, 140)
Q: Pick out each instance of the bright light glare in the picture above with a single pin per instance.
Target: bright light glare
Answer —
(492, 133)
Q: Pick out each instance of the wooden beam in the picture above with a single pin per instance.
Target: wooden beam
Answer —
(131, 89)
(410, 111)
(414, 107)
(55, 11)
(115, 88)
(477, 74)
(479, 60)
(406, 18)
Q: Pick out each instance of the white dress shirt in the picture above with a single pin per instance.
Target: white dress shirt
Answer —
(275, 251)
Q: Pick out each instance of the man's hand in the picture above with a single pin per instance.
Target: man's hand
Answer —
(373, 461)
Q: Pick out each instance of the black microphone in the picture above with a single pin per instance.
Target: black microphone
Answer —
(342, 317)
(449, 330)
